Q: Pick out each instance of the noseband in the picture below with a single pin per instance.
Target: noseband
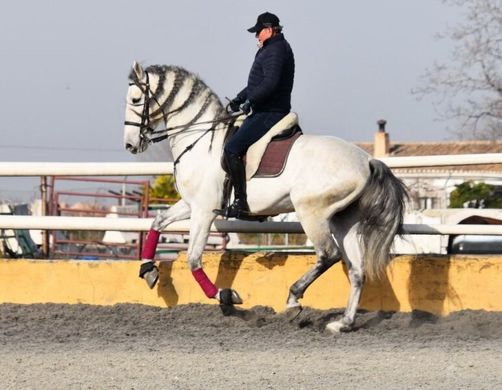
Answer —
(144, 126)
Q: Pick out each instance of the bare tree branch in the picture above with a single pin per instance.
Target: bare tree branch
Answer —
(469, 86)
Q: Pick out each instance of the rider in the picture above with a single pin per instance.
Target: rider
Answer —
(266, 100)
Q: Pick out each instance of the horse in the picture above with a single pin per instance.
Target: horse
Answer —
(349, 205)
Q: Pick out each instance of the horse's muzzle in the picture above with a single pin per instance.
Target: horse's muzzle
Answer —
(131, 148)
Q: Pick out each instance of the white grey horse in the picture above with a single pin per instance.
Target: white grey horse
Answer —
(349, 204)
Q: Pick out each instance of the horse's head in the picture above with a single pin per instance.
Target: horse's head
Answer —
(162, 92)
(138, 122)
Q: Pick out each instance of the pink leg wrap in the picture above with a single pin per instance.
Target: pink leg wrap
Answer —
(150, 245)
(207, 286)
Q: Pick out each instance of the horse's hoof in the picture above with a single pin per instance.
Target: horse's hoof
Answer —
(151, 277)
(293, 312)
(229, 297)
(337, 327)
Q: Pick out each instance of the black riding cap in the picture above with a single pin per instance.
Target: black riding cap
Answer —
(265, 20)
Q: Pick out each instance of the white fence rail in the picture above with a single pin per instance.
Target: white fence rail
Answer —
(143, 169)
(84, 169)
(221, 226)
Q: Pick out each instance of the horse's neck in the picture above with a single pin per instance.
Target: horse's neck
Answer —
(204, 139)
(187, 101)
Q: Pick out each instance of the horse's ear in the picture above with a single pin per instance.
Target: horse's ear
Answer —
(138, 70)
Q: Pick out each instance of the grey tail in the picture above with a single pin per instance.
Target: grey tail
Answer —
(382, 205)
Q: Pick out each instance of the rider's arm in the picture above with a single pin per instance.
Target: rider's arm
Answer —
(243, 95)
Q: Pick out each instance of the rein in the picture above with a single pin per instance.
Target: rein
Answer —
(162, 137)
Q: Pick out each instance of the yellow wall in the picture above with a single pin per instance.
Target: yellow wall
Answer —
(437, 284)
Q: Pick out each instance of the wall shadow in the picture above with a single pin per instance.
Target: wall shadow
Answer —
(428, 287)
(378, 294)
(273, 259)
(231, 262)
(165, 287)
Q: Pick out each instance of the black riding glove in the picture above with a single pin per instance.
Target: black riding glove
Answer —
(234, 104)
(246, 107)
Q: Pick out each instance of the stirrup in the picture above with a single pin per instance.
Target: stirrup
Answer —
(228, 212)
(221, 212)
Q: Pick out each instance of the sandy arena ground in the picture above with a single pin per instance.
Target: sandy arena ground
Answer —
(198, 347)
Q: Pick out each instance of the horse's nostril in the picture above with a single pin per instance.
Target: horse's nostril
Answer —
(131, 148)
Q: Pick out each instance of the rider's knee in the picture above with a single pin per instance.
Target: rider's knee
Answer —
(230, 150)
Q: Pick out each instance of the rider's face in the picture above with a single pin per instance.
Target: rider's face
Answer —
(264, 34)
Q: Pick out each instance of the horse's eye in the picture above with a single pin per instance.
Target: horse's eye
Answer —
(136, 100)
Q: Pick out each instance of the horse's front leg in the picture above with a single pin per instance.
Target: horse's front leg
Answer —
(199, 231)
(148, 270)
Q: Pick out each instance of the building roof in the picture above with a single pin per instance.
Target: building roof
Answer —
(401, 149)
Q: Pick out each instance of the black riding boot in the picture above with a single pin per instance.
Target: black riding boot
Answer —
(237, 172)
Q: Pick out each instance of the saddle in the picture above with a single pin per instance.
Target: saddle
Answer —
(267, 157)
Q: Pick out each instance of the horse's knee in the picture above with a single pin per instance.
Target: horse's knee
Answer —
(326, 260)
(330, 261)
(157, 222)
(194, 263)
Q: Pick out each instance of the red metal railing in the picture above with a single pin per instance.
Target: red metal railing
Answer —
(131, 200)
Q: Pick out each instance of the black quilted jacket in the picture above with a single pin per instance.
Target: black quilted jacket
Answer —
(271, 77)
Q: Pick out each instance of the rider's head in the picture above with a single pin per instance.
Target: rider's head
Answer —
(267, 25)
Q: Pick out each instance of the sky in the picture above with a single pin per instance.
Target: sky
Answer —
(64, 67)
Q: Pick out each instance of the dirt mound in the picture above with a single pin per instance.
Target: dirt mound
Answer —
(112, 324)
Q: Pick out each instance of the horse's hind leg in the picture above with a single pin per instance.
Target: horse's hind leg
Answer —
(345, 231)
(327, 252)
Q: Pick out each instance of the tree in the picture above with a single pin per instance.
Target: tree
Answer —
(481, 195)
(164, 187)
(469, 87)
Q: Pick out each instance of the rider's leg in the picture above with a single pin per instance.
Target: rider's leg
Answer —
(253, 128)
(237, 171)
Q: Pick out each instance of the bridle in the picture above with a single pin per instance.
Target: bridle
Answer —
(148, 134)
(144, 126)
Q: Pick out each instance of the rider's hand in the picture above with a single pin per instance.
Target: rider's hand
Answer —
(234, 104)
(246, 107)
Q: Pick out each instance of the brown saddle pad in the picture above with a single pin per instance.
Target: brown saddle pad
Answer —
(276, 155)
